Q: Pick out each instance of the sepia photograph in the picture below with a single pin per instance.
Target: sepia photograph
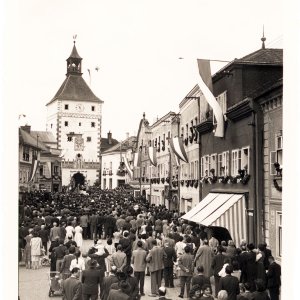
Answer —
(146, 149)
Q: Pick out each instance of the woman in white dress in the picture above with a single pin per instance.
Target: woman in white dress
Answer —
(69, 231)
(36, 250)
(78, 236)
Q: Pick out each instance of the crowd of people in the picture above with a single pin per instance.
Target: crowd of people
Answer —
(133, 239)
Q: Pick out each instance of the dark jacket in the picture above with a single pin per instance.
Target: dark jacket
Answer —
(169, 257)
(217, 263)
(107, 282)
(200, 280)
(90, 281)
(273, 276)
(72, 289)
(231, 285)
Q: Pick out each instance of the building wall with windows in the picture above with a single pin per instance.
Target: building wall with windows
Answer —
(189, 109)
(233, 163)
(271, 104)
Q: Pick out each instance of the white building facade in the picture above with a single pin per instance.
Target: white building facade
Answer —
(74, 117)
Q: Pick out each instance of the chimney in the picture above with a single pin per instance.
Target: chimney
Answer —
(26, 128)
(109, 138)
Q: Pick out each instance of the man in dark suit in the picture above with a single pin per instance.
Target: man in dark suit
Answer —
(72, 287)
(169, 259)
(217, 264)
(273, 279)
(90, 282)
(230, 284)
(107, 282)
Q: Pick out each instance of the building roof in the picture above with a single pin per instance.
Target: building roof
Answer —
(74, 53)
(122, 146)
(263, 56)
(45, 136)
(30, 140)
(105, 145)
(267, 57)
(76, 89)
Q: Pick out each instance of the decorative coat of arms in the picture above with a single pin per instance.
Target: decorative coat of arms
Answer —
(79, 143)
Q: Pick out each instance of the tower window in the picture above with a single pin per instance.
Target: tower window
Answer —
(69, 139)
(51, 125)
(93, 108)
(88, 139)
(79, 124)
(93, 124)
(66, 106)
(66, 123)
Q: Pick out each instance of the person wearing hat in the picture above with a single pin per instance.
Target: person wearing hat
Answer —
(91, 279)
(162, 293)
(251, 266)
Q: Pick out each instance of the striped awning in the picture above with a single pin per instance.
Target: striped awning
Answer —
(224, 210)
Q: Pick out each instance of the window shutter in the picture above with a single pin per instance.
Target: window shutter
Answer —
(273, 158)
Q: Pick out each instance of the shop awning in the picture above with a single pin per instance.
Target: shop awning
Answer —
(220, 209)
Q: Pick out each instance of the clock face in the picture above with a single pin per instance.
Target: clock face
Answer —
(79, 107)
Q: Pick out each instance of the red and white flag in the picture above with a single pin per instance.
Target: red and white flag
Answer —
(127, 166)
(34, 167)
(152, 155)
(176, 144)
(137, 159)
(205, 85)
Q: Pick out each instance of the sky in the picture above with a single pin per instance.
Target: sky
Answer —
(135, 44)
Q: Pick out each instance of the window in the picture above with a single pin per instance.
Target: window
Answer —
(26, 153)
(110, 183)
(92, 124)
(55, 170)
(104, 183)
(192, 170)
(279, 234)
(79, 124)
(51, 125)
(41, 170)
(235, 162)
(223, 163)
(66, 106)
(70, 139)
(276, 156)
(93, 108)
(205, 165)
(169, 136)
(245, 161)
(196, 172)
(213, 163)
(222, 100)
(182, 132)
(88, 139)
(66, 123)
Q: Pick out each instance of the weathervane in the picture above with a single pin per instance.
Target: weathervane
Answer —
(74, 38)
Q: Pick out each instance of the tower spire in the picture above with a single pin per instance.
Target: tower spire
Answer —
(74, 60)
(263, 39)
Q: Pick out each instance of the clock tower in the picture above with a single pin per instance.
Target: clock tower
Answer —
(74, 117)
